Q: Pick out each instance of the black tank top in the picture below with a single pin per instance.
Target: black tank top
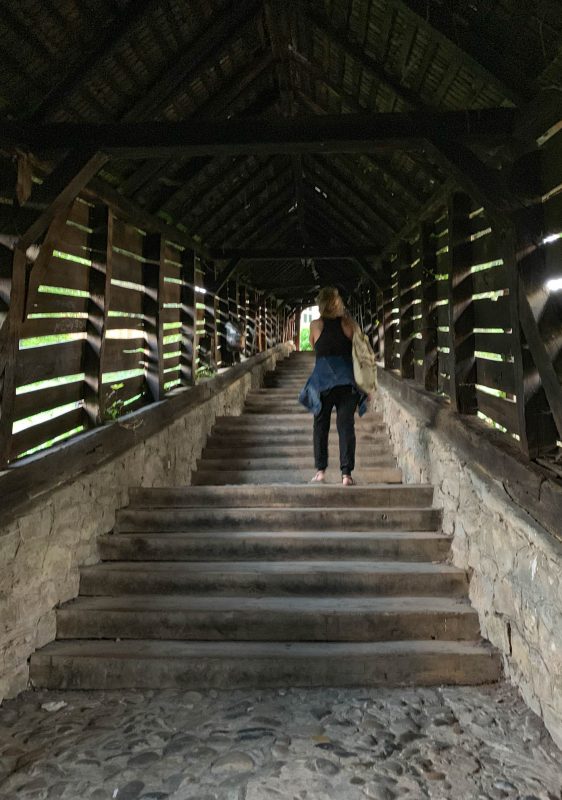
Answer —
(333, 341)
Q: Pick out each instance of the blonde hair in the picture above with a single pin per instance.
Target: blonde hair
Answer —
(330, 303)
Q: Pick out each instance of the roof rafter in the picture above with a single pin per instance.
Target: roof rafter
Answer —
(477, 56)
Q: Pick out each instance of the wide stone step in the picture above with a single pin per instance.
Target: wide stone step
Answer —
(286, 449)
(206, 476)
(280, 519)
(266, 408)
(299, 578)
(370, 423)
(287, 462)
(269, 498)
(232, 440)
(223, 546)
(95, 665)
(314, 619)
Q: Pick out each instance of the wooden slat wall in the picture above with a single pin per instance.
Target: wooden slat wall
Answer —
(449, 318)
(114, 323)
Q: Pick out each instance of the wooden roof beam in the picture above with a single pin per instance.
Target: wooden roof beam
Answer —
(308, 251)
(353, 133)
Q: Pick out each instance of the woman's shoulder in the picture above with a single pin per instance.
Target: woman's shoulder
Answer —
(348, 325)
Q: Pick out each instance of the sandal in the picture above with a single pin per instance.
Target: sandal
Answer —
(320, 477)
(347, 480)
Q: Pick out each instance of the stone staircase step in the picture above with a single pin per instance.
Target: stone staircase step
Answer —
(253, 450)
(107, 665)
(287, 462)
(270, 498)
(234, 440)
(370, 423)
(205, 476)
(299, 578)
(177, 520)
(280, 545)
(266, 618)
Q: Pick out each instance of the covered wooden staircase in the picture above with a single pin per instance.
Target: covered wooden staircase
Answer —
(253, 578)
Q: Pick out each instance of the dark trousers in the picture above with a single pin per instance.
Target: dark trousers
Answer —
(344, 398)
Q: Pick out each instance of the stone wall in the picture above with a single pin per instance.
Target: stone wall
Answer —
(515, 564)
(46, 540)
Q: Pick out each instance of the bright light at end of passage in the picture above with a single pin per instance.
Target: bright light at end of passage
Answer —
(554, 285)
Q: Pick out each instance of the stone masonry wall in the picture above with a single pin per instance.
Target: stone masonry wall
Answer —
(41, 552)
(515, 565)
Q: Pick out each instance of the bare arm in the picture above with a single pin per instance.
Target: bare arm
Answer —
(348, 325)
(316, 327)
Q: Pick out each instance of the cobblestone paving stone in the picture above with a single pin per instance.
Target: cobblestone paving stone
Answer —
(461, 744)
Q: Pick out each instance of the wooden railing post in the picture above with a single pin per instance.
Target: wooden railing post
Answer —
(406, 304)
(152, 310)
(188, 318)
(429, 320)
(13, 320)
(461, 310)
(389, 329)
(100, 274)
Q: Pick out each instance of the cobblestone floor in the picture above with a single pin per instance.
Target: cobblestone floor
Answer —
(462, 744)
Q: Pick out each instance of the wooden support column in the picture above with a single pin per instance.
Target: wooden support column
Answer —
(406, 300)
(389, 329)
(152, 310)
(297, 332)
(461, 311)
(99, 242)
(13, 324)
(380, 325)
(188, 318)
(429, 321)
(538, 391)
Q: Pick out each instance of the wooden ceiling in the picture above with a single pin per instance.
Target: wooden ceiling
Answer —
(134, 61)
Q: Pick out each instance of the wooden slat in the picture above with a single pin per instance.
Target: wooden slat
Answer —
(501, 343)
(59, 304)
(126, 268)
(489, 280)
(43, 363)
(43, 400)
(129, 300)
(492, 313)
(50, 326)
(67, 274)
(39, 434)
(498, 409)
(495, 375)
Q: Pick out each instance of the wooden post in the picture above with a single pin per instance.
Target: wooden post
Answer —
(100, 244)
(406, 300)
(152, 310)
(389, 332)
(14, 321)
(429, 322)
(188, 318)
(297, 338)
(538, 432)
(461, 310)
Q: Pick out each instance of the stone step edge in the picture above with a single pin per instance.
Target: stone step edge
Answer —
(342, 604)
